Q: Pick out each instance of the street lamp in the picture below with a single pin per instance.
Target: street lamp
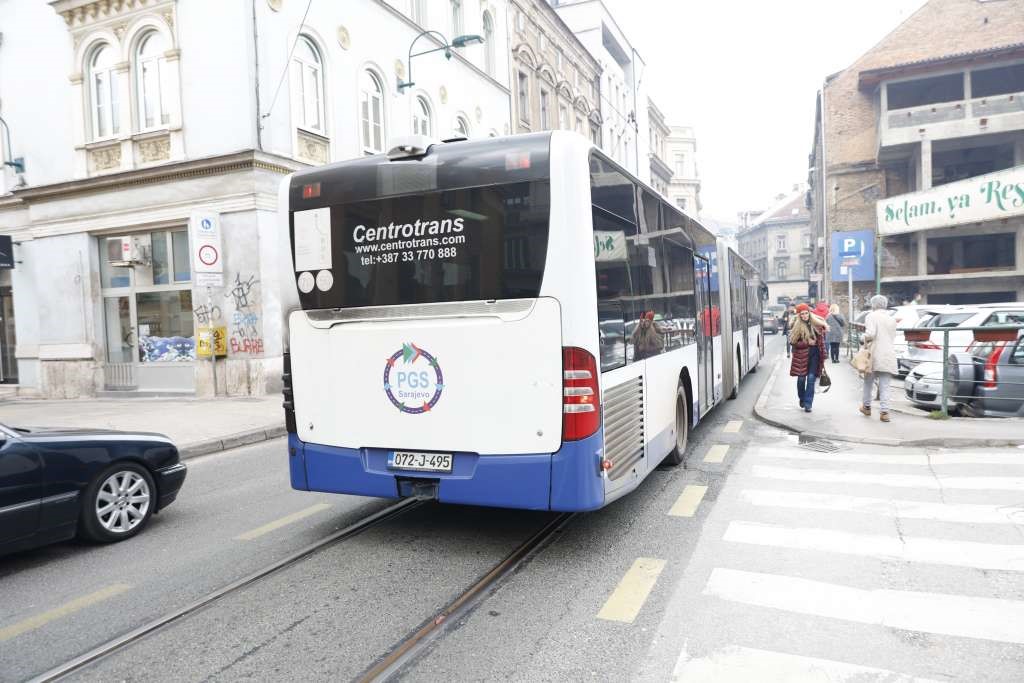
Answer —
(17, 164)
(458, 41)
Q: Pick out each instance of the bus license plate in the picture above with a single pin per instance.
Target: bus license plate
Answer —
(423, 462)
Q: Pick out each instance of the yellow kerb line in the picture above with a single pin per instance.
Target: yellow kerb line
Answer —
(716, 453)
(631, 593)
(688, 501)
(64, 610)
(284, 521)
(733, 426)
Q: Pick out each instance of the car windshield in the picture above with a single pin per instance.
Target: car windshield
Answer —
(949, 319)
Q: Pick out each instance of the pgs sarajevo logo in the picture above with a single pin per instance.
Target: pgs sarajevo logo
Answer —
(413, 380)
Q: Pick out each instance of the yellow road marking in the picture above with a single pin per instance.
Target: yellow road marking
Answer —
(631, 593)
(716, 453)
(733, 426)
(64, 610)
(284, 521)
(688, 501)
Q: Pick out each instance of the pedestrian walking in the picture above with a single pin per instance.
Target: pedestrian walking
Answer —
(647, 339)
(879, 334)
(788, 316)
(821, 309)
(808, 340)
(836, 327)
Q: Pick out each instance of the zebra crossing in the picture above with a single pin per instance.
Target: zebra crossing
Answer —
(867, 564)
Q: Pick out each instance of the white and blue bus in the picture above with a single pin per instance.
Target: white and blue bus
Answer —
(512, 322)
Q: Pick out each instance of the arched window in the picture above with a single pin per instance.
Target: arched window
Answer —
(150, 68)
(488, 44)
(309, 84)
(422, 122)
(461, 126)
(371, 105)
(456, 18)
(103, 93)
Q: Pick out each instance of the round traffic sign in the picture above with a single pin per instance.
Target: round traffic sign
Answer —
(208, 254)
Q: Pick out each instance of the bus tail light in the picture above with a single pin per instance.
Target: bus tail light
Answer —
(991, 376)
(581, 410)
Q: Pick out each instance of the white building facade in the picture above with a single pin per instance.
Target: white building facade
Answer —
(137, 114)
(681, 155)
(623, 92)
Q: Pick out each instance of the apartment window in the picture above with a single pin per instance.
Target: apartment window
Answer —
(489, 54)
(545, 105)
(150, 69)
(681, 165)
(461, 126)
(543, 42)
(579, 124)
(781, 269)
(103, 93)
(805, 266)
(309, 85)
(371, 106)
(422, 118)
(806, 240)
(971, 254)
(780, 242)
(520, 21)
(523, 82)
(681, 203)
(559, 58)
(456, 18)
(563, 117)
(595, 134)
(922, 91)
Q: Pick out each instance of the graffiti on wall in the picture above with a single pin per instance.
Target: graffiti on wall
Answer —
(246, 336)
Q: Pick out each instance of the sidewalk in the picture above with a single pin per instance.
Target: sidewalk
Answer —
(197, 426)
(835, 415)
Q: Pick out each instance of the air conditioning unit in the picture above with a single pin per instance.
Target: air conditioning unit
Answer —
(127, 251)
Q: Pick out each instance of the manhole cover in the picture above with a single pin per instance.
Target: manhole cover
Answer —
(821, 446)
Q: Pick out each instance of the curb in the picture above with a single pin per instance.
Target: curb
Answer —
(761, 414)
(223, 443)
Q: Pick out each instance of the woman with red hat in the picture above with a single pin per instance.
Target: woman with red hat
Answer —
(807, 338)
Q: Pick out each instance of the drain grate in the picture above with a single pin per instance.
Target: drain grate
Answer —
(821, 446)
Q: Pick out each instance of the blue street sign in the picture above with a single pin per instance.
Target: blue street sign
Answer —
(856, 243)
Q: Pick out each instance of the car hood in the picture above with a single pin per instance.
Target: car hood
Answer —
(928, 369)
(85, 433)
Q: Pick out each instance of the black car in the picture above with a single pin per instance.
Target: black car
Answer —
(102, 485)
(770, 324)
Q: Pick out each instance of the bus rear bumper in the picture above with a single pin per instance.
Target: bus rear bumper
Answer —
(567, 480)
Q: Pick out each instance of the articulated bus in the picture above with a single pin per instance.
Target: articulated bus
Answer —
(512, 322)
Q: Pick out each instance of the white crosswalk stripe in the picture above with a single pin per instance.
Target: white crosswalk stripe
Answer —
(763, 571)
(967, 513)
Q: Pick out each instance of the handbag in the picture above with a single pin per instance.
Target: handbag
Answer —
(825, 381)
(861, 360)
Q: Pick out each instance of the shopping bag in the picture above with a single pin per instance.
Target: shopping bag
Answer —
(861, 360)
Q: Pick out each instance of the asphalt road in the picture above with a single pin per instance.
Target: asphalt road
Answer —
(760, 558)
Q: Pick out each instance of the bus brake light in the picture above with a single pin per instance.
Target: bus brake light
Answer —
(311, 191)
(581, 415)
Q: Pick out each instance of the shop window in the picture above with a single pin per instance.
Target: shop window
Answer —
(166, 332)
(971, 254)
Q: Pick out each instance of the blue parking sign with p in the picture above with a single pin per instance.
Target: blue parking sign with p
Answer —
(858, 244)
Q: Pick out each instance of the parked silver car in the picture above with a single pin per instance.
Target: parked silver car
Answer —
(992, 376)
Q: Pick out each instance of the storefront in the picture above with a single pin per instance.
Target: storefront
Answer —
(147, 312)
(958, 243)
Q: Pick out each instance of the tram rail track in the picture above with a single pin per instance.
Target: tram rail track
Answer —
(406, 652)
(127, 639)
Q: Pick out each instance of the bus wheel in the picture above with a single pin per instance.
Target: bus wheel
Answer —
(682, 429)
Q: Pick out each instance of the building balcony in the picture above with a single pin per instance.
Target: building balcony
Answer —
(947, 120)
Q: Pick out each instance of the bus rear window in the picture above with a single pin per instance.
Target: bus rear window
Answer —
(468, 244)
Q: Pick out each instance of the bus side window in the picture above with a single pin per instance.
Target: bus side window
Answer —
(682, 309)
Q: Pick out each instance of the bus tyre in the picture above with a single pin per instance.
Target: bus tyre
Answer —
(682, 429)
(736, 376)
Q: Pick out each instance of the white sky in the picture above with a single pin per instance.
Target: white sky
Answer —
(745, 74)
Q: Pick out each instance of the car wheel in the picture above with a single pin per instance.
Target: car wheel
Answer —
(682, 429)
(118, 503)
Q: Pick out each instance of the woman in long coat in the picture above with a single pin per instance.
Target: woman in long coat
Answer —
(807, 337)
(880, 334)
(836, 325)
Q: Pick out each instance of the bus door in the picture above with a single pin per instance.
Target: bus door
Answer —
(705, 334)
(744, 322)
